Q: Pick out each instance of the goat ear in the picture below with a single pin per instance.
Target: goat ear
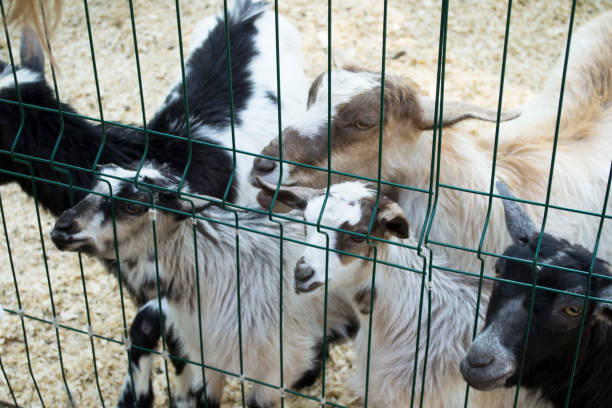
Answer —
(31, 52)
(340, 59)
(519, 225)
(457, 111)
(184, 204)
(292, 196)
(105, 166)
(392, 219)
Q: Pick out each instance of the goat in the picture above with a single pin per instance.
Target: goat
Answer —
(89, 227)
(494, 359)
(350, 207)
(524, 150)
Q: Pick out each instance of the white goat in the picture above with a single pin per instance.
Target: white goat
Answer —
(89, 227)
(395, 325)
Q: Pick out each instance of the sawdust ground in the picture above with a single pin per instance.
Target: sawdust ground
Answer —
(475, 43)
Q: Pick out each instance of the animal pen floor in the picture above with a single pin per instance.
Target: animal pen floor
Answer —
(475, 43)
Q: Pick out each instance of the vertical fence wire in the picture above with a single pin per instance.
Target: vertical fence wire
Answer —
(423, 236)
(226, 17)
(547, 202)
(162, 315)
(194, 220)
(199, 297)
(281, 271)
(17, 297)
(374, 212)
(492, 182)
(588, 293)
(329, 156)
(8, 246)
(93, 167)
(94, 66)
(136, 184)
(428, 222)
(8, 384)
(126, 338)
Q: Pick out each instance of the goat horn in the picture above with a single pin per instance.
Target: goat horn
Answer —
(518, 222)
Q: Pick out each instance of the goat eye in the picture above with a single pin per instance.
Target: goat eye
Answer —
(572, 311)
(357, 238)
(131, 208)
(362, 125)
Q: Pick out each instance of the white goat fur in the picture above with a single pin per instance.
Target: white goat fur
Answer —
(582, 166)
(524, 155)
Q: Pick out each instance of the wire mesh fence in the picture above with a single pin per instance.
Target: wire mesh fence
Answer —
(92, 339)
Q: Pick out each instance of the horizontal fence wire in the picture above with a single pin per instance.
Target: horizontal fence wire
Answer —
(424, 241)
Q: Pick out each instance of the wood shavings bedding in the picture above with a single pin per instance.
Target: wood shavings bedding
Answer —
(473, 66)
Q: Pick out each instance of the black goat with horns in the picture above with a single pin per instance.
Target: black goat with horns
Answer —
(494, 359)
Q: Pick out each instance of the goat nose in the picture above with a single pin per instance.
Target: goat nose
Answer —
(480, 358)
(65, 226)
(60, 238)
(303, 272)
(264, 166)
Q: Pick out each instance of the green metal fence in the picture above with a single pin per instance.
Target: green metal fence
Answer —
(14, 306)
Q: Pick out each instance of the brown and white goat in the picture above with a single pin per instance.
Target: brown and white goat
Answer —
(350, 207)
(524, 153)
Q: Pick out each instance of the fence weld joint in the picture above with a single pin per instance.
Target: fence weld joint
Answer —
(127, 344)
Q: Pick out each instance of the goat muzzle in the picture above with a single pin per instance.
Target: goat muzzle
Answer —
(483, 369)
(303, 274)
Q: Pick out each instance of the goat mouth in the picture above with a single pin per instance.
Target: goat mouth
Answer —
(485, 379)
(81, 244)
(303, 287)
(265, 200)
(271, 179)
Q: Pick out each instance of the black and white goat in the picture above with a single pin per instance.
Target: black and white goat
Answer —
(494, 359)
(394, 346)
(183, 241)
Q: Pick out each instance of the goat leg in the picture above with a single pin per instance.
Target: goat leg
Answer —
(145, 333)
